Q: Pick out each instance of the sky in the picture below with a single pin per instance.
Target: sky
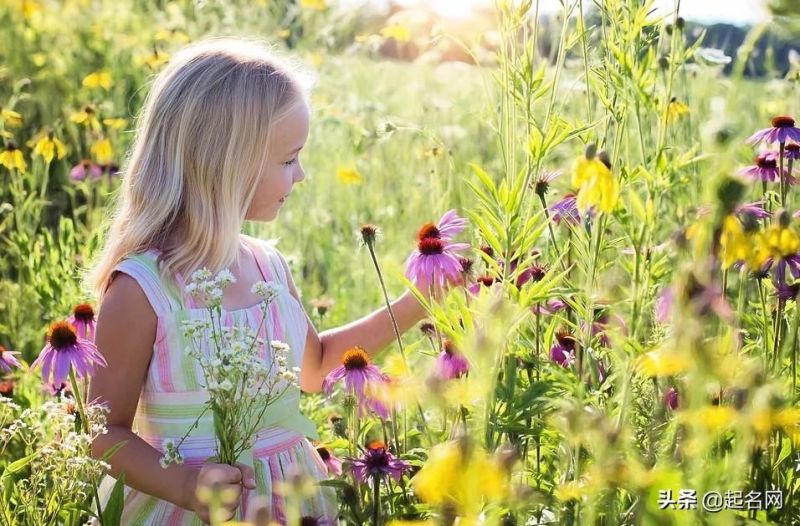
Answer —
(731, 11)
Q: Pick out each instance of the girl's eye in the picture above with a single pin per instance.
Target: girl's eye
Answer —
(289, 163)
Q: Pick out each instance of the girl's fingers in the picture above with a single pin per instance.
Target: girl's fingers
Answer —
(248, 475)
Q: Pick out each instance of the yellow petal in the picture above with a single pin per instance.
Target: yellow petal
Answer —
(97, 79)
(349, 176)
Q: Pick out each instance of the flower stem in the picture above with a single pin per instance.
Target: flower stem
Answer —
(86, 429)
(388, 303)
(376, 501)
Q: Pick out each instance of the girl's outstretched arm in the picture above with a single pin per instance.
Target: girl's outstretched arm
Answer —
(373, 332)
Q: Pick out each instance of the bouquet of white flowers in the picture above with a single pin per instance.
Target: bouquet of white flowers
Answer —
(241, 383)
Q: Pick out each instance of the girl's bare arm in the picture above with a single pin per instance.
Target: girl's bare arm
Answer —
(126, 331)
(373, 333)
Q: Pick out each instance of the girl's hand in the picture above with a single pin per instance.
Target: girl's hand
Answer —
(221, 478)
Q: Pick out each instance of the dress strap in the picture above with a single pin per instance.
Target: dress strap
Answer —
(265, 259)
(143, 267)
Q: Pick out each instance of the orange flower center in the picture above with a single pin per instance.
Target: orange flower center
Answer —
(355, 358)
(430, 246)
(782, 121)
(84, 312)
(428, 230)
(62, 335)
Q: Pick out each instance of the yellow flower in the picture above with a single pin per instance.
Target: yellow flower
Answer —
(154, 60)
(595, 183)
(39, 59)
(48, 147)
(12, 158)
(447, 478)
(572, 490)
(98, 79)
(663, 362)
(171, 35)
(675, 110)
(10, 117)
(777, 241)
(349, 176)
(87, 117)
(115, 124)
(398, 32)
(102, 151)
(29, 8)
(736, 245)
(713, 418)
(316, 5)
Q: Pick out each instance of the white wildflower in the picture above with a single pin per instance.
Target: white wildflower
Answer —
(267, 291)
(225, 278)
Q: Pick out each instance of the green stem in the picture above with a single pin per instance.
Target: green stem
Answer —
(86, 429)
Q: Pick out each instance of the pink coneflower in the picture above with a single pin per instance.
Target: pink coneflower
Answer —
(7, 360)
(484, 281)
(552, 306)
(604, 321)
(563, 352)
(792, 151)
(377, 462)
(764, 169)
(64, 349)
(755, 209)
(541, 184)
(671, 399)
(565, 210)
(332, 462)
(434, 262)
(786, 292)
(57, 389)
(533, 273)
(358, 373)
(85, 168)
(664, 304)
(782, 130)
(83, 319)
(450, 224)
(451, 363)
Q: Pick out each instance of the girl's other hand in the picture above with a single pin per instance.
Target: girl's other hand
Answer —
(220, 478)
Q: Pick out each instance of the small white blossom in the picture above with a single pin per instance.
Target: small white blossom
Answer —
(225, 278)
(267, 291)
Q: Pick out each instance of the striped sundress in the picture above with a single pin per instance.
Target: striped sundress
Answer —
(173, 396)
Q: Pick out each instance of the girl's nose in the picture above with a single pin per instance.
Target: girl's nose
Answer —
(299, 175)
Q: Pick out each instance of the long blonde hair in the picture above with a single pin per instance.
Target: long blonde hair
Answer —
(201, 142)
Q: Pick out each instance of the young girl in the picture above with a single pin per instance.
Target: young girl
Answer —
(217, 144)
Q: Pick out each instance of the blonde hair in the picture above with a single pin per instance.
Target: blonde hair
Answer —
(201, 142)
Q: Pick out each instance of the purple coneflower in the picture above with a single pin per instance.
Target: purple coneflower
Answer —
(7, 360)
(664, 304)
(755, 209)
(85, 168)
(309, 520)
(565, 210)
(563, 352)
(451, 363)
(671, 398)
(332, 462)
(377, 462)
(57, 389)
(83, 319)
(533, 273)
(450, 224)
(552, 306)
(792, 151)
(434, 262)
(764, 169)
(484, 281)
(64, 349)
(787, 292)
(782, 130)
(358, 373)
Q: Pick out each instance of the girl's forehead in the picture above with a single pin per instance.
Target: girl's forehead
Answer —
(291, 132)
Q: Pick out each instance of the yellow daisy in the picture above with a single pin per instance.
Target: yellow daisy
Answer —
(98, 79)
(595, 183)
(12, 158)
(102, 151)
(48, 147)
(349, 176)
(87, 117)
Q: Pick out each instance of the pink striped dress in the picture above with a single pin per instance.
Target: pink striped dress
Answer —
(173, 396)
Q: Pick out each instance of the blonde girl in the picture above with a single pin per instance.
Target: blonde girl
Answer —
(217, 144)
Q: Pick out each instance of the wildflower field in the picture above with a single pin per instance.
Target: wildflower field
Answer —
(615, 212)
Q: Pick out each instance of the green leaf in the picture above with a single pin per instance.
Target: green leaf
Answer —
(112, 513)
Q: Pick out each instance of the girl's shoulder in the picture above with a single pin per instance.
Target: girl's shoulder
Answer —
(143, 267)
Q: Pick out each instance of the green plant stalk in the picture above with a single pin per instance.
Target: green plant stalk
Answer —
(376, 501)
(388, 303)
(86, 429)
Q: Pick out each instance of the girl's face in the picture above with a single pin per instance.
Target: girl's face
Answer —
(283, 168)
